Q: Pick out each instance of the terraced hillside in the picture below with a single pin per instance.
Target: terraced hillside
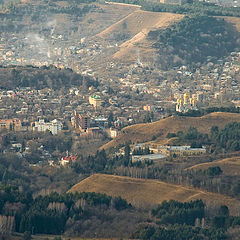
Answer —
(145, 132)
(142, 191)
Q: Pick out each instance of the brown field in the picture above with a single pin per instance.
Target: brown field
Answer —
(145, 132)
(149, 192)
(235, 21)
(138, 24)
(229, 166)
(139, 20)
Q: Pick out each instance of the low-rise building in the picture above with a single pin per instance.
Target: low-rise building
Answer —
(11, 124)
(148, 157)
(96, 101)
(180, 150)
(66, 160)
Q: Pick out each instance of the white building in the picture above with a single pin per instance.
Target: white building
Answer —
(54, 126)
(148, 157)
(113, 132)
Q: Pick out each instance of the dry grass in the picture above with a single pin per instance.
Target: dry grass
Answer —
(138, 24)
(139, 20)
(235, 21)
(148, 192)
(145, 132)
(229, 166)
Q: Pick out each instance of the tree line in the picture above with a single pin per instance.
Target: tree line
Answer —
(49, 214)
(203, 111)
(188, 220)
(222, 140)
(190, 8)
(42, 77)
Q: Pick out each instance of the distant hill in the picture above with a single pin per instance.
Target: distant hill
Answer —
(134, 28)
(192, 40)
(172, 39)
(145, 132)
(142, 191)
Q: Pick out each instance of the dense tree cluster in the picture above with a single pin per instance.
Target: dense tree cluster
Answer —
(142, 151)
(18, 11)
(228, 138)
(186, 221)
(43, 77)
(176, 232)
(49, 214)
(193, 39)
(100, 162)
(219, 140)
(173, 212)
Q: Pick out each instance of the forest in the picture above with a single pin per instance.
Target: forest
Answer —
(79, 213)
(192, 40)
(51, 214)
(16, 11)
(42, 77)
(25, 205)
(219, 140)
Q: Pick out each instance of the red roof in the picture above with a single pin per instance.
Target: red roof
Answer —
(70, 158)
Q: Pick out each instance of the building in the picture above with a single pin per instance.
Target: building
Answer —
(11, 124)
(93, 131)
(96, 101)
(80, 121)
(180, 150)
(113, 132)
(148, 108)
(174, 2)
(101, 122)
(66, 160)
(54, 126)
(186, 103)
(84, 122)
(148, 157)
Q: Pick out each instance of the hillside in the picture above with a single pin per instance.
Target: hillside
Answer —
(134, 28)
(145, 132)
(139, 20)
(235, 21)
(229, 166)
(141, 191)
(193, 40)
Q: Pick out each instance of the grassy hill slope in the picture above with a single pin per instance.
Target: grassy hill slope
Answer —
(145, 132)
(139, 20)
(134, 28)
(229, 166)
(141, 191)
